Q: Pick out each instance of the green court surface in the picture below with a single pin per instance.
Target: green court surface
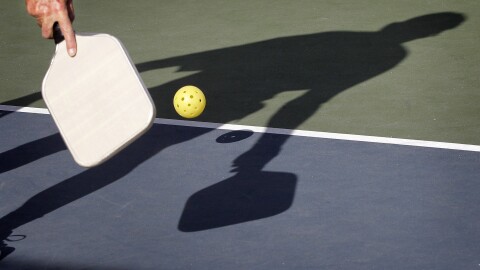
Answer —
(310, 65)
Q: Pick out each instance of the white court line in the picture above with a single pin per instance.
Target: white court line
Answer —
(303, 133)
(23, 109)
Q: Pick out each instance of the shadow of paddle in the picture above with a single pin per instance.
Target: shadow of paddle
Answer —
(241, 198)
(250, 194)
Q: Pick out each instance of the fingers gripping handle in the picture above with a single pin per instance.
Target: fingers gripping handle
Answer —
(57, 33)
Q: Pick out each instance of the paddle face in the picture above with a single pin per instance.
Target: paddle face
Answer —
(97, 99)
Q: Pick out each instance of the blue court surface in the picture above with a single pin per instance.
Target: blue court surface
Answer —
(184, 197)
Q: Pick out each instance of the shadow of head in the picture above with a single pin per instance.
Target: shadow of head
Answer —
(422, 26)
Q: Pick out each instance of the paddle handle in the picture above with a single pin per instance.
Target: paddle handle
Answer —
(57, 33)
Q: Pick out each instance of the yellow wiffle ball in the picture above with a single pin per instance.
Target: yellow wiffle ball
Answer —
(189, 101)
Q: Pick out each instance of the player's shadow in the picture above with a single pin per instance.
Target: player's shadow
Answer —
(237, 81)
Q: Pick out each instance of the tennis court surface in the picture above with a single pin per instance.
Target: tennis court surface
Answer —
(199, 198)
(337, 135)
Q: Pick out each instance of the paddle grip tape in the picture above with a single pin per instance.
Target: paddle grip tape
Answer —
(57, 33)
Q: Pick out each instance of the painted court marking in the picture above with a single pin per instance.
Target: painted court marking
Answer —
(303, 133)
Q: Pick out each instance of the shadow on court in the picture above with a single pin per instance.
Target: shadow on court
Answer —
(237, 81)
(29, 152)
(250, 194)
(37, 265)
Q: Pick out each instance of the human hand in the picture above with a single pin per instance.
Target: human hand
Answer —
(47, 12)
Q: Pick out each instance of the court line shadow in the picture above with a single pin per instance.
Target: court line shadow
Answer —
(325, 63)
